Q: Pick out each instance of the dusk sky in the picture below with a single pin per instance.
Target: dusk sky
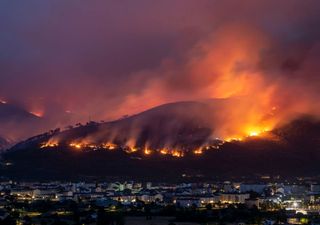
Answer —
(102, 59)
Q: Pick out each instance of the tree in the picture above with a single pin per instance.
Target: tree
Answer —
(147, 210)
(209, 207)
(27, 220)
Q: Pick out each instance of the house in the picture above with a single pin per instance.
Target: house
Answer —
(209, 199)
(234, 198)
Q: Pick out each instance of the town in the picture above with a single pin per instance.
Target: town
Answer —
(264, 201)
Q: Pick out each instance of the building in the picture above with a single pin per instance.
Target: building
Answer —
(234, 198)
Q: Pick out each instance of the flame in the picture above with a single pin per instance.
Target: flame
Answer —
(227, 61)
(93, 146)
(50, 144)
(133, 149)
(164, 151)
(257, 131)
(174, 152)
(109, 146)
(147, 151)
(231, 139)
(198, 151)
(177, 153)
(76, 145)
(131, 146)
(3, 101)
(254, 133)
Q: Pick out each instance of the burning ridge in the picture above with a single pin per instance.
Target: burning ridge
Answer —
(174, 129)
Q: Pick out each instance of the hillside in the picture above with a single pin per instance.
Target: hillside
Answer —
(293, 149)
(3, 143)
(16, 122)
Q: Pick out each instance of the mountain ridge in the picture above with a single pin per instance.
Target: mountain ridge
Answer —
(296, 146)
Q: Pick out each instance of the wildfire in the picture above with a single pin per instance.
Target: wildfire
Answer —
(131, 149)
(147, 151)
(231, 139)
(130, 146)
(164, 151)
(248, 132)
(76, 145)
(93, 146)
(49, 144)
(254, 132)
(170, 151)
(177, 153)
(198, 151)
(173, 152)
(109, 146)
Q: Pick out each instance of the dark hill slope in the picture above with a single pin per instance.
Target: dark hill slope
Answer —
(175, 124)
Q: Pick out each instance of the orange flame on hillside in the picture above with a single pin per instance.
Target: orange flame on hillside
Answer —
(50, 144)
(76, 145)
(198, 151)
(109, 146)
(147, 151)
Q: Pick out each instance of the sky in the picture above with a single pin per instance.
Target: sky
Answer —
(103, 59)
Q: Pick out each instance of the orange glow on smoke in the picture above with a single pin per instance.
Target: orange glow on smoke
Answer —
(233, 52)
(227, 61)
(37, 113)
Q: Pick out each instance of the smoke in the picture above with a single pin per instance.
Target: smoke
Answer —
(105, 59)
(272, 83)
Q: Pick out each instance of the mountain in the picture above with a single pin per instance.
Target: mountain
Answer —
(3, 143)
(77, 153)
(179, 125)
(16, 122)
(14, 113)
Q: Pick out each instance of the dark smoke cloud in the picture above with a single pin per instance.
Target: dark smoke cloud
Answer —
(104, 59)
